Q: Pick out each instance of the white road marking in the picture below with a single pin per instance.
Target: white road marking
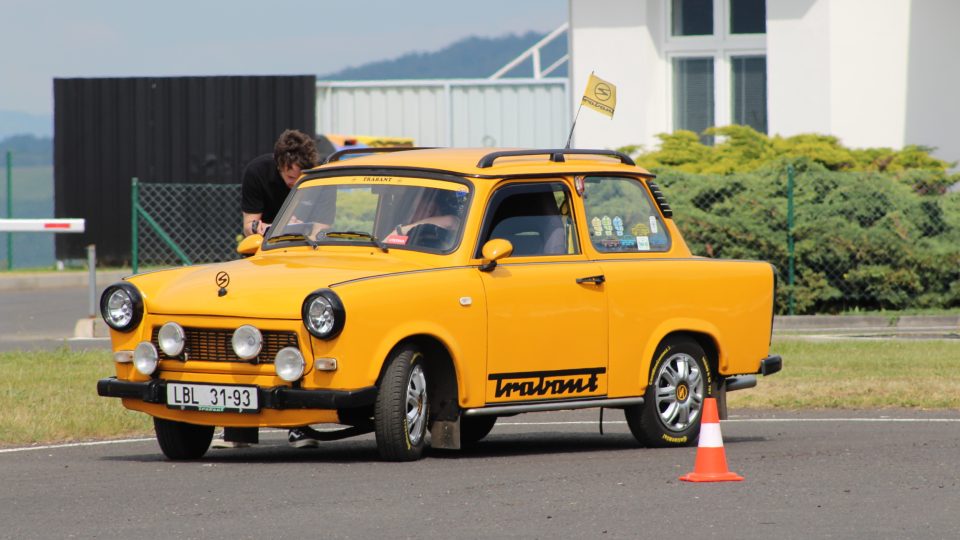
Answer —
(747, 420)
(515, 424)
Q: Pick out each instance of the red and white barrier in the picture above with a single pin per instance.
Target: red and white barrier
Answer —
(42, 225)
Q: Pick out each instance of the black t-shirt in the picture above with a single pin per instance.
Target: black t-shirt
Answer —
(263, 190)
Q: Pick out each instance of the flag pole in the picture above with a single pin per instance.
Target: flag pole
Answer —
(570, 136)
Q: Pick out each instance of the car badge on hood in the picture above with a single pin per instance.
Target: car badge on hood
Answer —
(223, 279)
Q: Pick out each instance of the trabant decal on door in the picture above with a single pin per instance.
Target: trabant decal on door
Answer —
(548, 384)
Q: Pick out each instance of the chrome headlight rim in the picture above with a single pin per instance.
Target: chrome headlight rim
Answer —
(289, 364)
(258, 340)
(136, 300)
(336, 305)
(174, 331)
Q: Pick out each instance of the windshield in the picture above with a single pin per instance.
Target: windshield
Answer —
(422, 215)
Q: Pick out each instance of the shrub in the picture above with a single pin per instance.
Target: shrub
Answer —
(863, 239)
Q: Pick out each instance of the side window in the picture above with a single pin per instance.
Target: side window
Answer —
(535, 218)
(621, 216)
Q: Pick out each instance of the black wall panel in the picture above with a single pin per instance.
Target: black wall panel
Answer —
(160, 129)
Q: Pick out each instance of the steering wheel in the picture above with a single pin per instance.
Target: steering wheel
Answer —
(428, 235)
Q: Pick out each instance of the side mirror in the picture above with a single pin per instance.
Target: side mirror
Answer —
(250, 244)
(493, 251)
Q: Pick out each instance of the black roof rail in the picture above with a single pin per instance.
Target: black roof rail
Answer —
(370, 150)
(556, 155)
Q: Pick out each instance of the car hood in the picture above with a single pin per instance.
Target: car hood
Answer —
(257, 287)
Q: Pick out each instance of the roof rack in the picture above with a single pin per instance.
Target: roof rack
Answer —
(370, 150)
(556, 155)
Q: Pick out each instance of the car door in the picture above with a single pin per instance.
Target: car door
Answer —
(546, 306)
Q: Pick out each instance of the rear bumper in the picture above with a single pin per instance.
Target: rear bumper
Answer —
(768, 366)
(279, 397)
(771, 365)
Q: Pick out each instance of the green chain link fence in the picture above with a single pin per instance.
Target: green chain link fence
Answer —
(853, 241)
(184, 223)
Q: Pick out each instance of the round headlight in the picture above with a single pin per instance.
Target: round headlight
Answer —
(121, 307)
(145, 358)
(171, 338)
(247, 341)
(323, 314)
(289, 364)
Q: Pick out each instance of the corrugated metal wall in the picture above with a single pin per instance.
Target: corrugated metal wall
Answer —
(160, 129)
(464, 113)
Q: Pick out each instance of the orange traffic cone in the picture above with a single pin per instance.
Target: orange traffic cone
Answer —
(711, 464)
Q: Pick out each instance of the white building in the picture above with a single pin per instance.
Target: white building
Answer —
(872, 72)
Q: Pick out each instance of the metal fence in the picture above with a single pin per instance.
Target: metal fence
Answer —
(184, 223)
(840, 241)
(26, 191)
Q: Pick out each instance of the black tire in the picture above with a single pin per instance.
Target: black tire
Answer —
(680, 379)
(401, 412)
(180, 440)
(475, 428)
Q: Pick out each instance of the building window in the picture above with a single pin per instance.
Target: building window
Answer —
(748, 16)
(692, 17)
(716, 51)
(693, 101)
(750, 91)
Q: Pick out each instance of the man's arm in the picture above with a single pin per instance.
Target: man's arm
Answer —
(248, 220)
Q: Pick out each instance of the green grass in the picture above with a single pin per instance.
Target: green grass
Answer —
(859, 374)
(51, 396)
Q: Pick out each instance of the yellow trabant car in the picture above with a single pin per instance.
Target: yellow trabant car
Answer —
(421, 294)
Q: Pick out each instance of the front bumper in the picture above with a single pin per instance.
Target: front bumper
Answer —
(279, 397)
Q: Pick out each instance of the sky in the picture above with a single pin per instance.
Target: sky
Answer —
(44, 39)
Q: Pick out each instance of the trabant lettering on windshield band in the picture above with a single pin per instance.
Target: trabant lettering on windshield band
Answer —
(380, 180)
(547, 383)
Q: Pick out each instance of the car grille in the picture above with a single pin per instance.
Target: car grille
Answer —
(213, 345)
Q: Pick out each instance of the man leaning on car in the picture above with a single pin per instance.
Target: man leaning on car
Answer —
(267, 180)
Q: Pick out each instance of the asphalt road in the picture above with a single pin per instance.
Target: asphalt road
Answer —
(44, 318)
(836, 474)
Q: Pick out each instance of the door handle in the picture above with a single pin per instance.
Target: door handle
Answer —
(596, 280)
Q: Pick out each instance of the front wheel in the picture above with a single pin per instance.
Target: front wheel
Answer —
(401, 411)
(679, 381)
(179, 440)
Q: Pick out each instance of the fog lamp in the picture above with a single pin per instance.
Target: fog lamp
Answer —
(289, 364)
(247, 341)
(145, 358)
(171, 338)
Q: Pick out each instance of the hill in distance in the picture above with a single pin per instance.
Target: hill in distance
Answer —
(16, 122)
(469, 58)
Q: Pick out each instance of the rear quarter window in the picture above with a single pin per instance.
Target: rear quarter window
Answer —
(621, 217)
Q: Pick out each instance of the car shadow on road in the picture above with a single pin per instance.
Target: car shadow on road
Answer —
(364, 449)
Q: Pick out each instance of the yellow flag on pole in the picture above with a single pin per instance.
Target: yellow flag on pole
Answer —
(600, 96)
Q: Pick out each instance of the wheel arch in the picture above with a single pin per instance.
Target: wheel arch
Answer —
(443, 383)
(705, 340)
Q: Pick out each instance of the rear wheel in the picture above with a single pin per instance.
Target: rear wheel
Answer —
(679, 381)
(475, 428)
(179, 440)
(401, 410)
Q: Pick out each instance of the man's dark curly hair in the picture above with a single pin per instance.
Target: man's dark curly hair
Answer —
(295, 148)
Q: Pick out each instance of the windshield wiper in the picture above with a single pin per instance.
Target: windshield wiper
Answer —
(354, 234)
(294, 236)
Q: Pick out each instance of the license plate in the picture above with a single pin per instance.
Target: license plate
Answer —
(212, 398)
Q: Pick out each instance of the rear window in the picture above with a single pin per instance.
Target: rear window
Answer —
(621, 217)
